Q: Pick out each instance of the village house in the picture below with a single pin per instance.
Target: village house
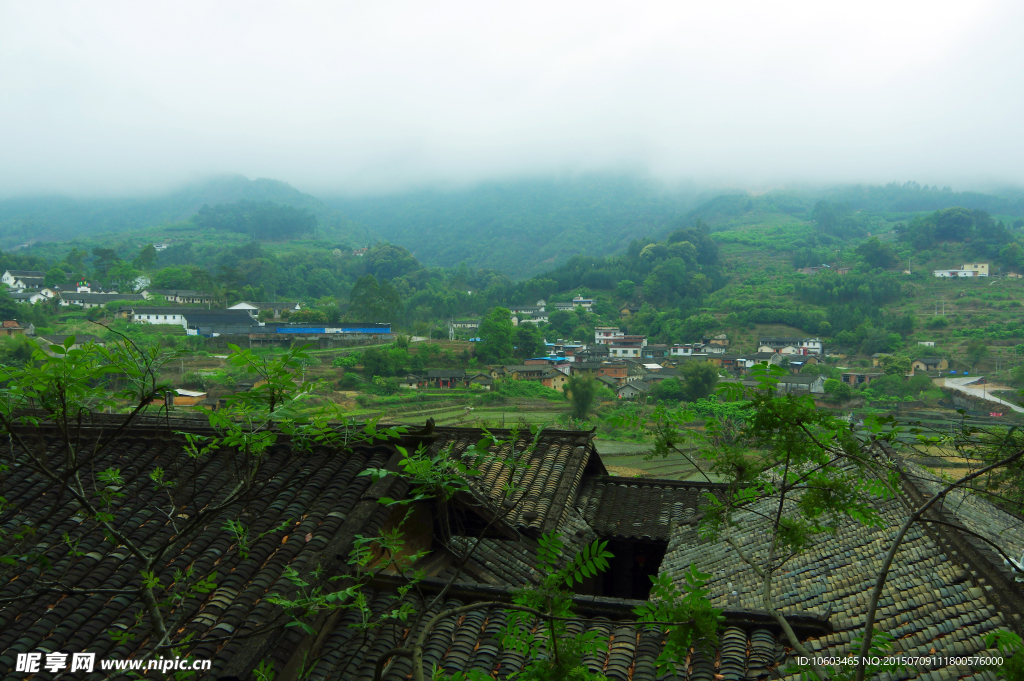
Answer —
(609, 382)
(318, 500)
(802, 383)
(628, 311)
(27, 297)
(519, 372)
(481, 379)
(585, 303)
(797, 365)
(686, 349)
(605, 334)
(632, 390)
(180, 397)
(89, 300)
(719, 340)
(627, 346)
(10, 277)
(853, 378)
(928, 364)
(11, 327)
(618, 371)
(81, 339)
(154, 315)
(445, 378)
(791, 346)
(554, 379)
(186, 296)
(974, 269)
(536, 318)
(255, 308)
(658, 351)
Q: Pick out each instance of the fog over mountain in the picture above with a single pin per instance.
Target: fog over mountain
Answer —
(122, 98)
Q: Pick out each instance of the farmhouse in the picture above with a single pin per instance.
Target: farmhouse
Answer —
(974, 269)
(791, 346)
(929, 364)
(632, 390)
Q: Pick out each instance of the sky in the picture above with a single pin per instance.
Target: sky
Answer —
(116, 98)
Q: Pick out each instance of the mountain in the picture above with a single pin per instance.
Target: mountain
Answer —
(521, 227)
(50, 218)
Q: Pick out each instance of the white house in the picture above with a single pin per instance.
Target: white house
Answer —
(27, 297)
(627, 346)
(791, 346)
(11, 277)
(605, 334)
(685, 349)
(158, 315)
(972, 269)
(585, 303)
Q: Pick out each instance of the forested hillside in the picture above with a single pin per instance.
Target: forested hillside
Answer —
(61, 218)
(521, 228)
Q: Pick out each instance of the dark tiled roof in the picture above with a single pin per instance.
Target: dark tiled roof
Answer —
(928, 601)
(548, 478)
(26, 273)
(473, 642)
(101, 298)
(640, 508)
(80, 338)
(319, 494)
(446, 373)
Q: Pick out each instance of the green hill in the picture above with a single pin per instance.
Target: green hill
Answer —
(521, 228)
(62, 218)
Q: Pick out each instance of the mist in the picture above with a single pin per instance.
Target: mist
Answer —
(120, 98)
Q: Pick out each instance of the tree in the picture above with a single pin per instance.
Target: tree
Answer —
(877, 254)
(975, 351)
(308, 317)
(146, 258)
(698, 380)
(896, 365)
(55, 277)
(528, 341)
(496, 336)
(626, 288)
(838, 390)
(263, 220)
(581, 389)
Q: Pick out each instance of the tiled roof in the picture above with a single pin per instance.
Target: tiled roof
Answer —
(928, 602)
(547, 479)
(319, 494)
(638, 508)
(749, 645)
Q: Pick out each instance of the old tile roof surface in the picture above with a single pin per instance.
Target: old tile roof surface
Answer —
(314, 495)
(639, 508)
(547, 475)
(928, 601)
(931, 600)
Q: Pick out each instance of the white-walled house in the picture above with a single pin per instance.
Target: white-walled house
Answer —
(791, 346)
(158, 315)
(603, 335)
(11, 277)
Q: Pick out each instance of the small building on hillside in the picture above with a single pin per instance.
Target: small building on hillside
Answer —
(609, 382)
(445, 378)
(632, 390)
(255, 308)
(554, 379)
(802, 383)
(972, 269)
(174, 316)
(928, 364)
(186, 296)
(81, 339)
(11, 327)
(481, 379)
(628, 311)
(859, 377)
(604, 334)
(791, 346)
(28, 297)
(89, 300)
(585, 303)
(721, 339)
(179, 397)
(519, 372)
(627, 346)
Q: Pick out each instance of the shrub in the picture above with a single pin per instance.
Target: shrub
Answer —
(349, 381)
(194, 380)
(536, 389)
(346, 361)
